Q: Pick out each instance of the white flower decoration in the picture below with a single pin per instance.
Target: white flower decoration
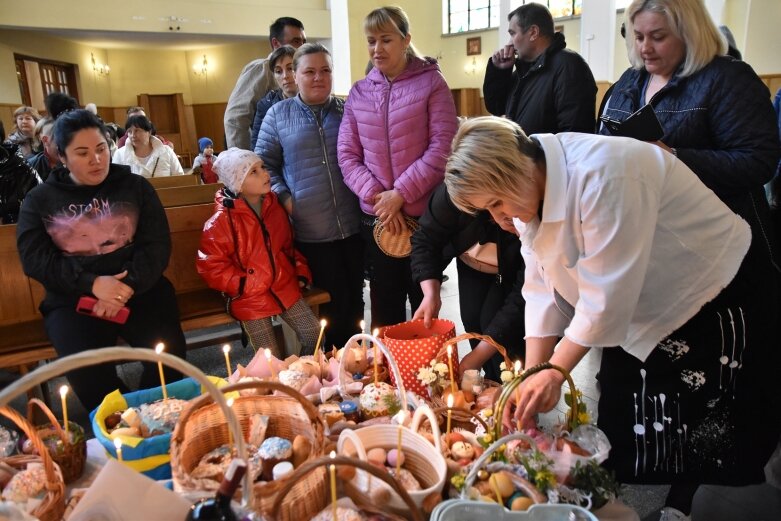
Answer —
(441, 368)
(506, 376)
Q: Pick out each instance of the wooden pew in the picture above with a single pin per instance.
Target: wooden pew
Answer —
(188, 195)
(174, 181)
(23, 340)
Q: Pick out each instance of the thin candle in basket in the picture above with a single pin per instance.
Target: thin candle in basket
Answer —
(399, 457)
(118, 446)
(450, 368)
(267, 352)
(376, 358)
(517, 392)
(159, 348)
(63, 394)
(332, 470)
(229, 401)
(226, 349)
(362, 325)
(320, 338)
(450, 399)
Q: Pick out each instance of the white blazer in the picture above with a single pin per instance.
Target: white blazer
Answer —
(161, 162)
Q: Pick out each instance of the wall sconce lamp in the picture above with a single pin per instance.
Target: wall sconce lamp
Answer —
(471, 67)
(98, 68)
(201, 69)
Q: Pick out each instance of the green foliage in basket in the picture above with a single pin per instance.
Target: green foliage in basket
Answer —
(539, 469)
(459, 481)
(582, 418)
(392, 402)
(594, 478)
(53, 441)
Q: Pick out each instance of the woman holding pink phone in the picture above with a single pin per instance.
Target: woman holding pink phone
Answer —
(96, 236)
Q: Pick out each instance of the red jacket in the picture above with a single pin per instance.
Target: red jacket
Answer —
(251, 260)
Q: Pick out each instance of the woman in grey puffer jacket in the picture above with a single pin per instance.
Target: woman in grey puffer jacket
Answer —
(297, 143)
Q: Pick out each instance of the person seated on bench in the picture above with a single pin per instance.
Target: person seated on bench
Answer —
(144, 153)
(247, 253)
(94, 229)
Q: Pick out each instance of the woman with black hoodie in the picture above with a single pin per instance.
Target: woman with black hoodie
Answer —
(94, 229)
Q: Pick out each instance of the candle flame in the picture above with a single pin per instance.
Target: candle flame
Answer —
(450, 400)
(450, 350)
(362, 323)
(333, 454)
(376, 332)
(517, 366)
(117, 443)
(229, 401)
(267, 352)
(63, 391)
(159, 348)
(323, 322)
(226, 348)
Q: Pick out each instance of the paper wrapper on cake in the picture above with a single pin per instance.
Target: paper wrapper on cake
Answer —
(150, 456)
(413, 346)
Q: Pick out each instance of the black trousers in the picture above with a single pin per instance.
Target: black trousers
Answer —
(480, 297)
(337, 267)
(154, 317)
(391, 282)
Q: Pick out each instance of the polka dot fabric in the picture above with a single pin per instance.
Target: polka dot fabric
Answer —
(413, 346)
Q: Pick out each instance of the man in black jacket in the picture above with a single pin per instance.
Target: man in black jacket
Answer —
(551, 89)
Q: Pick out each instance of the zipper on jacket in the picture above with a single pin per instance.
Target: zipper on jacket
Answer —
(387, 129)
(321, 131)
(267, 243)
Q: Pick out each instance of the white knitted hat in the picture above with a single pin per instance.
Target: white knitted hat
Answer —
(233, 165)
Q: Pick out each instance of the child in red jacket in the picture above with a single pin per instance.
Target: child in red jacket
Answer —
(247, 253)
(203, 165)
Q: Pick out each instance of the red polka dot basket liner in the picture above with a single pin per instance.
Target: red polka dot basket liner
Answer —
(413, 346)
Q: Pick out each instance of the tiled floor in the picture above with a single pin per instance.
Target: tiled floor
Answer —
(755, 503)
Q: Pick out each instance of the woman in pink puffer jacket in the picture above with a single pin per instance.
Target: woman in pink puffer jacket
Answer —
(394, 141)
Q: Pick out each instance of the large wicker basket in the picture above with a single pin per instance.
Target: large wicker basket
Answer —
(412, 512)
(52, 506)
(201, 428)
(73, 455)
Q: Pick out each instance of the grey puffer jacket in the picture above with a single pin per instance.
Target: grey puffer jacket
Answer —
(299, 151)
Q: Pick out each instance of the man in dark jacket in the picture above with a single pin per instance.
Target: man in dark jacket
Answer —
(47, 159)
(551, 89)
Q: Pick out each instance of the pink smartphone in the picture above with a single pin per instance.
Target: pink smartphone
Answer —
(86, 306)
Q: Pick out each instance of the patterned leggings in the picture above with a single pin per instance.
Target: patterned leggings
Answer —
(299, 317)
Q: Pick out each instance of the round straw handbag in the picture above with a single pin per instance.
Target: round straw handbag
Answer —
(112, 354)
(52, 506)
(201, 428)
(69, 456)
(395, 245)
(411, 510)
(461, 418)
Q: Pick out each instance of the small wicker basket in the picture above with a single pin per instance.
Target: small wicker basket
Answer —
(201, 428)
(52, 506)
(412, 512)
(395, 245)
(73, 455)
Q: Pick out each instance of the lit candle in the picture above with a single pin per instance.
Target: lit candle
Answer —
(267, 352)
(398, 453)
(320, 337)
(450, 368)
(159, 348)
(518, 393)
(332, 469)
(376, 359)
(229, 401)
(362, 325)
(450, 400)
(118, 446)
(226, 349)
(63, 394)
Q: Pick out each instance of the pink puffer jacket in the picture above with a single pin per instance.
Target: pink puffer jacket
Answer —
(397, 135)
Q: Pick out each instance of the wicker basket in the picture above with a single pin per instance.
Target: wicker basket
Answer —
(112, 354)
(411, 510)
(395, 245)
(461, 418)
(52, 506)
(201, 428)
(73, 455)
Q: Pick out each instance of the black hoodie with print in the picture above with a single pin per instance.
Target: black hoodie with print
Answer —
(69, 234)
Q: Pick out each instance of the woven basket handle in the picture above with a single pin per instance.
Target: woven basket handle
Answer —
(310, 465)
(528, 488)
(509, 387)
(391, 364)
(49, 414)
(340, 383)
(417, 419)
(53, 484)
(485, 338)
(205, 399)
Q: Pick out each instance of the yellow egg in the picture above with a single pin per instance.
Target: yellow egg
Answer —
(503, 483)
(488, 499)
(521, 503)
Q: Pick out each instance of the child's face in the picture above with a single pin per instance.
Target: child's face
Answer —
(208, 151)
(257, 182)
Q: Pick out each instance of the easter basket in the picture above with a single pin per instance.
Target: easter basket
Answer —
(68, 450)
(201, 428)
(52, 505)
(411, 510)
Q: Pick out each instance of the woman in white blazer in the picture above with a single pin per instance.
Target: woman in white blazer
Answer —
(145, 154)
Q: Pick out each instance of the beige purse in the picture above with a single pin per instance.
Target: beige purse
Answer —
(482, 257)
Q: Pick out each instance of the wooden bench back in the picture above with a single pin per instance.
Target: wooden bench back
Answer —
(187, 195)
(18, 303)
(174, 181)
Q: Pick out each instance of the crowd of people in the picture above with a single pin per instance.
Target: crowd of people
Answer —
(661, 254)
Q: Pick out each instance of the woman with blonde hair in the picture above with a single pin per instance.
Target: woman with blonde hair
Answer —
(626, 251)
(23, 132)
(394, 140)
